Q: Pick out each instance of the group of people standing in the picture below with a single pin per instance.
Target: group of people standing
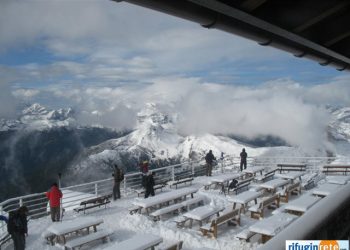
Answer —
(210, 158)
(17, 221)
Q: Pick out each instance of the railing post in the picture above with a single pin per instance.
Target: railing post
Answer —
(20, 202)
(125, 185)
(173, 173)
(96, 189)
(192, 167)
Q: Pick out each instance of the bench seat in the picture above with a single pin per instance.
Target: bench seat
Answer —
(78, 242)
(158, 213)
(257, 211)
(265, 177)
(245, 235)
(94, 202)
(180, 181)
(290, 189)
(226, 217)
(195, 200)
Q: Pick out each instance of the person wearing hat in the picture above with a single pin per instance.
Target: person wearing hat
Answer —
(209, 158)
(118, 178)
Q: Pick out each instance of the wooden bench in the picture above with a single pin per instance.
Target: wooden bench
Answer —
(245, 235)
(212, 227)
(265, 177)
(290, 189)
(95, 202)
(241, 185)
(344, 169)
(180, 221)
(80, 241)
(257, 211)
(156, 187)
(165, 210)
(134, 210)
(180, 181)
(177, 207)
(138, 241)
(291, 167)
(199, 199)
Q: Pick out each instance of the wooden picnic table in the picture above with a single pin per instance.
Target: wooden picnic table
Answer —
(162, 198)
(325, 189)
(302, 204)
(223, 179)
(251, 171)
(271, 226)
(290, 176)
(201, 214)
(291, 167)
(244, 198)
(272, 185)
(336, 168)
(341, 180)
(138, 242)
(61, 230)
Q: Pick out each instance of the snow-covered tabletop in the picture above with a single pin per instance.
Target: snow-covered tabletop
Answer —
(253, 170)
(341, 180)
(273, 225)
(137, 242)
(225, 177)
(302, 204)
(244, 198)
(66, 227)
(325, 189)
(273, 184)
(164, 197)
(290, 176)
(202, 213)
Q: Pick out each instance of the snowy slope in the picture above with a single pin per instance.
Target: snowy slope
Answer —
(156, 139)
(37, 117)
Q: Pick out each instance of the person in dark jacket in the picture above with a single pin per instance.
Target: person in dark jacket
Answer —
(3, 218)
(54, 196)
(118, 178)
(244, 156)
(17, 227)
(209, 158)
(149, 184)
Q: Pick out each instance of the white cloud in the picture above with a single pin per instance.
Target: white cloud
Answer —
(282, 107)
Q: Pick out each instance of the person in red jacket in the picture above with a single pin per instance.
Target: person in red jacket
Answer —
(54, 196)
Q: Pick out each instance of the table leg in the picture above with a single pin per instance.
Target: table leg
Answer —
(265, 238)
(95, 230)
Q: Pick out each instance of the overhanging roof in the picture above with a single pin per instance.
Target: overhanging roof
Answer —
(315, 29)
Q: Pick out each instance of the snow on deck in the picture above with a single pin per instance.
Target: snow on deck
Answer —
(124, 226)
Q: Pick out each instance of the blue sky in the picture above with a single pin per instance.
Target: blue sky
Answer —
(107, 59)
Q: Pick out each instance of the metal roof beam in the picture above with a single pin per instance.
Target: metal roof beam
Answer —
(270, 29)
(321, 17)
(250, 5)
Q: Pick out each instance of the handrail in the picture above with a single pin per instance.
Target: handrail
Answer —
(132, 182)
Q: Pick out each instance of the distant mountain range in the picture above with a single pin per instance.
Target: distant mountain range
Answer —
(41, 143)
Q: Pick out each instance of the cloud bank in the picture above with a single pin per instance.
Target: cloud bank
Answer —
(282, 107)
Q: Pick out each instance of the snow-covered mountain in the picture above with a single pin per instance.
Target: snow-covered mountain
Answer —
(339, 126)
(48, 141)
(37, 117)
(156, 139)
